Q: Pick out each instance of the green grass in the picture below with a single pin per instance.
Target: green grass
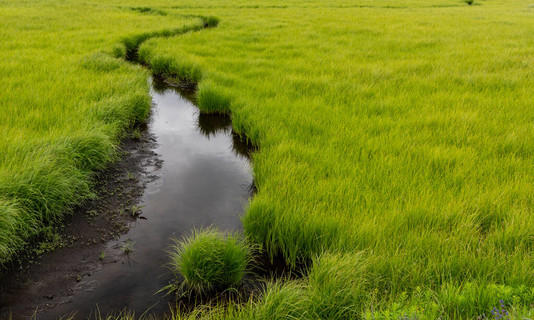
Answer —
(402, 130)
(209, 261)
(65, 103)
(394, 136)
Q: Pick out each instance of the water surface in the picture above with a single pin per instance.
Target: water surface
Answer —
(205, 179)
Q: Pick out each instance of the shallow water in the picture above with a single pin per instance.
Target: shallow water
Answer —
(205, 179)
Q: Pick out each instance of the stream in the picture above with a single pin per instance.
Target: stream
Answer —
(205, 179)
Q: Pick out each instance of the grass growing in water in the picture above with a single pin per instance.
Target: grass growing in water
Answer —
(65, 102)
(400, 129)
(208, 261)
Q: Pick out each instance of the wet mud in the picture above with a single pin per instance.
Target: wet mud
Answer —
(189, 170)
(56, 278)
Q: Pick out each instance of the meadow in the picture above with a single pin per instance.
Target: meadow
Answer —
(65, 104)
(396, 141)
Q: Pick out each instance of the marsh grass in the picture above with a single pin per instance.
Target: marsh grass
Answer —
(148, 10)
(212, 98)
(400, 131)
(128, 247)
(209, 261)
(396, 138)
(66, 101)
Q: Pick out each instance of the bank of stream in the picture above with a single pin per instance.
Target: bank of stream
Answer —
(204, 179)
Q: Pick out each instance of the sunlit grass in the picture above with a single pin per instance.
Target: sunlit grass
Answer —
(209, 261)
(401, 130)
(65, 103)
(396, 136)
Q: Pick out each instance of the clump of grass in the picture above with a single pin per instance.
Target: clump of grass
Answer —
(135, 210)
(211, 98)
(338, 286)
(469, 2)
(136, 134)
(128, 247)
(183, 71)
(208, 261)
(279, 301)
(149, 10)
(210, 22)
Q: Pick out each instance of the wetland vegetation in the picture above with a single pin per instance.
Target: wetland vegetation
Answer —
(395, 139)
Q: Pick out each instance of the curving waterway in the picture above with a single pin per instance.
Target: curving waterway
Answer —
(205, 179)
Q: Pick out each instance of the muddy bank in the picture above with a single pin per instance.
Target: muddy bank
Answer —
(57, 277)
(190, 170)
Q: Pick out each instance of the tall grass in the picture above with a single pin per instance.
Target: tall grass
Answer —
(65, 103)
(337, 287)
(209, 261)
(402, 130)
(395, 136)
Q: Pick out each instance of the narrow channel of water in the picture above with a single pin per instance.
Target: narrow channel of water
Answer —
(205, 179)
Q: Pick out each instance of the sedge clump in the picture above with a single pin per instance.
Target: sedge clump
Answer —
(208, 261)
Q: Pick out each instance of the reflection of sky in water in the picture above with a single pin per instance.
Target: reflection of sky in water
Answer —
(204, 180)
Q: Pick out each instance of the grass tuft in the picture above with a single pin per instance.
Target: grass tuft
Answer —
(212, 98)
(208, 261)
(211, 22)
(149, 10)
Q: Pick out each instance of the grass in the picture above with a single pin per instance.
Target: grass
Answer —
(128, 247)
(398, 131)
(395, 137)
(209, 261)
(65, 102)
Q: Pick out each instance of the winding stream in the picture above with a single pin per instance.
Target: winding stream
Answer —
(205, 179)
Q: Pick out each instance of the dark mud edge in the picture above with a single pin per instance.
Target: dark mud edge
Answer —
(90, 238)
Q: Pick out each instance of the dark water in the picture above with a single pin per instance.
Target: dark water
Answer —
(205, 179)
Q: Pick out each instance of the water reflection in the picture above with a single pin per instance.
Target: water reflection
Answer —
(205, 180)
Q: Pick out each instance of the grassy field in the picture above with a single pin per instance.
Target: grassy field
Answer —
(396, 138)
(65, 104)
(398, 134)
